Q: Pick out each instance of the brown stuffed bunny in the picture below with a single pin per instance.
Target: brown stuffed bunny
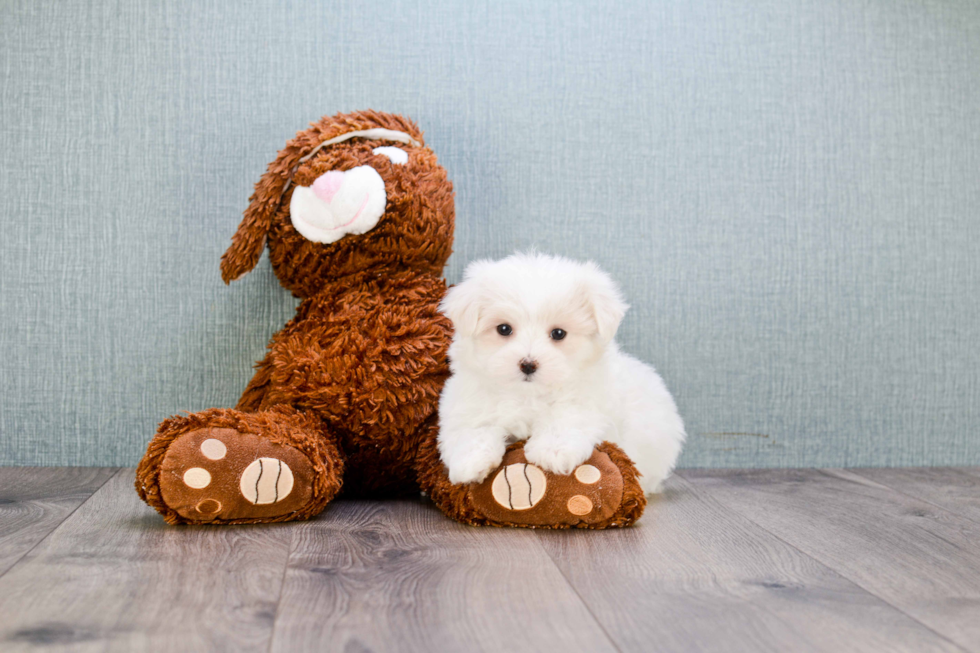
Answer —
(358, 218)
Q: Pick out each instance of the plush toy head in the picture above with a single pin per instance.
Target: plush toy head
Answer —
(353, 192)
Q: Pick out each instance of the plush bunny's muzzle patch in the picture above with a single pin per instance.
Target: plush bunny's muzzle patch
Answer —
(345, 202)
(339, 203)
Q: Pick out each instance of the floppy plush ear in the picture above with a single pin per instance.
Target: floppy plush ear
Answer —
(605, 300)
(249, 240)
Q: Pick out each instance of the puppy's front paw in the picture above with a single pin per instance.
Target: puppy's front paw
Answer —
(557, 456)
(473, 466)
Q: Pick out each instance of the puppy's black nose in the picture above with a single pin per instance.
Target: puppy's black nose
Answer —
(529, 366)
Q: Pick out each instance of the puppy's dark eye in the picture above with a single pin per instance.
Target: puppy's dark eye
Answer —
(504, 329)
(558, 334)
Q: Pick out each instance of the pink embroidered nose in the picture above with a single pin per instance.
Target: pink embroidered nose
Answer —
(326, 186)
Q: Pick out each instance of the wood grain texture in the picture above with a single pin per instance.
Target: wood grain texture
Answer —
(956, 489)
(114, 577)
(33, 501)
(768, 560)
(694, 576)
(398, 575)
(918, 557)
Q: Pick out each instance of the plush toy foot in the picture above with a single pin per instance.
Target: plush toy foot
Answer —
(521, 494)
(223, 466)
(219, 473)
(603, 492)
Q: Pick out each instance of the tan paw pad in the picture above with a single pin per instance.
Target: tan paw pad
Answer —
(519, 486)
(266, 480)
(213, 449)
(197, 478)
(579, 505)
(588, 474)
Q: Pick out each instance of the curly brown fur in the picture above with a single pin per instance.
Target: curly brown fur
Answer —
(634, 499)
(369, 358)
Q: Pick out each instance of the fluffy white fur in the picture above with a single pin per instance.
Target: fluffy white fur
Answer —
(584, 390)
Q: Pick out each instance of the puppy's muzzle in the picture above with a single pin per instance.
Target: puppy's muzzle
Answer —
(528, 366)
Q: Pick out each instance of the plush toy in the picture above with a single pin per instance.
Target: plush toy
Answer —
(358, 218)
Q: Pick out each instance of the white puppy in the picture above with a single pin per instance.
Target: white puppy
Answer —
(533, 358)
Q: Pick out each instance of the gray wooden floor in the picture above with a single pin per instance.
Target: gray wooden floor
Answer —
(776, 560)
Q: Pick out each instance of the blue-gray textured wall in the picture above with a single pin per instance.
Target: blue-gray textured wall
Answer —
(788, 190)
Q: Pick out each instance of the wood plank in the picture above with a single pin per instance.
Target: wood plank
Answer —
(34, 500)
(399, 575)
(957, 489)
(693, 576)
(113, 576)
(916, 556)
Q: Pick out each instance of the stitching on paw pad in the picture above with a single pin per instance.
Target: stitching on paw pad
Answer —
(519, 486)
(266, 480)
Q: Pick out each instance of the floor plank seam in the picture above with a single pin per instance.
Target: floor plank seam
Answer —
(917, 498)
(575, 591)
(827, 565)
(66, 517)
(714, 504)
(282, 586)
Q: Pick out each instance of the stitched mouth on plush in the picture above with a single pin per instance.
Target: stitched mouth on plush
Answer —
(338, 203)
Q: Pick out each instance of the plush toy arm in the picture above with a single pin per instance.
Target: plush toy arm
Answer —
(251, 400)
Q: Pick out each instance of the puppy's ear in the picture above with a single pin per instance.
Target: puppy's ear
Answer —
(463, 301)
(604, 300)
(249, 240)
(462, 306)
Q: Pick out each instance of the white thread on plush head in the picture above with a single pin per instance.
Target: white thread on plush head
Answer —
(396, 155)
(377, 134)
